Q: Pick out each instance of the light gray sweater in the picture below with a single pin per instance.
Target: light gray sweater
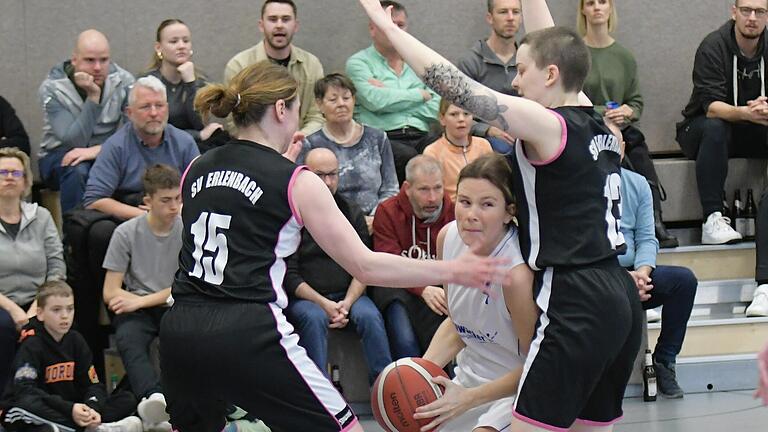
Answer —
(35, 256)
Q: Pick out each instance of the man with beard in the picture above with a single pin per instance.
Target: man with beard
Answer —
(390, 96)
(115, 187)
(278, 24)
(407, 224)
(727, 114)
(491, 62)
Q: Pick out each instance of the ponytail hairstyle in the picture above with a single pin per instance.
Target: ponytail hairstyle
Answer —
(248, 95)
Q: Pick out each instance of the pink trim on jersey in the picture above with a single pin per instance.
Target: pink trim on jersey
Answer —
(538, 423)
(563, 140)
(597, 423)
(186, 170)
(351, 425)
(294, 176)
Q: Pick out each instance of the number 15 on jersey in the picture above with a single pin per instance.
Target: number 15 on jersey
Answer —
(207, 238)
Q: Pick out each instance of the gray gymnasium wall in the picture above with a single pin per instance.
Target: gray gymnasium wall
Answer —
(37, 34)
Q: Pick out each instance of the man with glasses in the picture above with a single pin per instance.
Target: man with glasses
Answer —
(727, 114)
(323, 295)
(83, 101)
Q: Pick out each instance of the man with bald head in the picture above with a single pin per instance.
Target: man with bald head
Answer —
(83, 100)
(323, 295)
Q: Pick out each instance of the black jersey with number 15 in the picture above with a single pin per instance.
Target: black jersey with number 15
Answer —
(238, 225)
(569, 207)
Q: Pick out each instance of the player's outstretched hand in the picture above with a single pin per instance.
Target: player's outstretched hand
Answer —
(474, 271)
(455, 401)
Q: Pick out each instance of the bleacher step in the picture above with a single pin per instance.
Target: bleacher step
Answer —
(719, 335)
(711, 373)
(713, 262)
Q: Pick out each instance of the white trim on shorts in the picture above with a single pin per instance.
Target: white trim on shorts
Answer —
(542, 301)
(325, 393)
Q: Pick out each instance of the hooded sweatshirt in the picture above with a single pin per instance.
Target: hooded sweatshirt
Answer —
(35, 255)
(70, 119)
(50, 374)
(722, 73)
(398, 231)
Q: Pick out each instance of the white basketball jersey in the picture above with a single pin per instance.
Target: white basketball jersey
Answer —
(482, 321)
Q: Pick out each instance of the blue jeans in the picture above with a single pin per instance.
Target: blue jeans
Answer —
(311, 323)
(674, 288)
(402, 337)
(68, 180)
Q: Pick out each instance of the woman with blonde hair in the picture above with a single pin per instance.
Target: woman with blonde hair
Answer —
(613, 86)
(32, 252)
(172, 64)
(244, 208)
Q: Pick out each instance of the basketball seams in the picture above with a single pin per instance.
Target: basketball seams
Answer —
(381, 380)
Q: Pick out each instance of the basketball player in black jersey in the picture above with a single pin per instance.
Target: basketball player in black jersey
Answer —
(225, 340)
(567, 183)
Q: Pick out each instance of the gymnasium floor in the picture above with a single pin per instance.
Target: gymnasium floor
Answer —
(705, 412)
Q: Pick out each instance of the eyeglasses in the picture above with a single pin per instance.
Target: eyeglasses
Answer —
(12, 173)
(746, 12)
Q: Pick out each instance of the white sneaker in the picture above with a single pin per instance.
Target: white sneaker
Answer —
(652, 315)
(759, 306)
(717, 230)
(159, 427)
(128, 424)
(152, 409)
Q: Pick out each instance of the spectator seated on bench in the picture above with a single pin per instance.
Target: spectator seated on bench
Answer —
(140, 265)
(366, 168)
(407, 225)
(324, 295)
(672, 287)
(613, 78)
(727, 114)
(83, 101)
(115, 189)
(31, 252)
(55, 385)
(172, 64)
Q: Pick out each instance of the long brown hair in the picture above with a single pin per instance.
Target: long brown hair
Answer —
(250, 93)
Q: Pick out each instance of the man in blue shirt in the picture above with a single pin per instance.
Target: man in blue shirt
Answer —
(115, 185)
(670, 286)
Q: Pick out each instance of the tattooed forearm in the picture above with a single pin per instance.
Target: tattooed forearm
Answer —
(450, 83)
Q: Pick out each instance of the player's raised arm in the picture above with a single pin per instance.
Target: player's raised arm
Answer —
(536, 15)
(519, 117)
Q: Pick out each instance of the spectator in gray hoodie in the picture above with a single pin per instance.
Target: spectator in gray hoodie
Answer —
(83, 100)
(32, 252)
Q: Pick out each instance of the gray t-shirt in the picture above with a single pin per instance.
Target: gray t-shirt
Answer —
(148, 261)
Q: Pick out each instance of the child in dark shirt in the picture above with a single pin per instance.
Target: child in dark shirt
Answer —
(55, 386)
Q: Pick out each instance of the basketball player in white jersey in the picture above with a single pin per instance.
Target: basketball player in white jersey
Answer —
(489, 335)
(567, 181)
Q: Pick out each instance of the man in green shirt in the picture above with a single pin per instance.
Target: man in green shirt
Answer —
(278, 24)
(391, 97)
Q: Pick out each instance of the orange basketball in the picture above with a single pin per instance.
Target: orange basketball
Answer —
(402, 387)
